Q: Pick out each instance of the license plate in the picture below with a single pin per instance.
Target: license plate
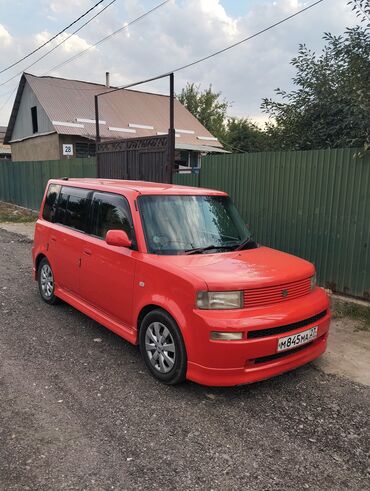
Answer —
(290, 342)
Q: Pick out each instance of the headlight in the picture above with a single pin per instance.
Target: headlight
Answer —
(220, 300)
(313, 281)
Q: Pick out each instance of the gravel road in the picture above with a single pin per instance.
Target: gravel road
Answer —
(79, 411)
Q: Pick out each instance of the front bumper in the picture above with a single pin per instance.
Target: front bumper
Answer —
(225, 363)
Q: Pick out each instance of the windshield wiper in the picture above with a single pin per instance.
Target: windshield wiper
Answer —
(199, 250)
(243, 243)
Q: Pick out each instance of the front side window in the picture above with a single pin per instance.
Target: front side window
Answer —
(49, 210)
(110, 212)
(181, 224)
(73, 208)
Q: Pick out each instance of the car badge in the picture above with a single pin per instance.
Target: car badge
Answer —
(284, 293)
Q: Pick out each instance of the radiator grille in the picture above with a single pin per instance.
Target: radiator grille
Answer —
(274, 294)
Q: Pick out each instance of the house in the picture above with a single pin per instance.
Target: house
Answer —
(50, 112)
(5, 152)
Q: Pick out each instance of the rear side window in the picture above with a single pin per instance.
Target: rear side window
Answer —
(110, 212)
(73, 208)
(50, 207)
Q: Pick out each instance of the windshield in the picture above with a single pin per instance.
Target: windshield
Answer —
(183, 224)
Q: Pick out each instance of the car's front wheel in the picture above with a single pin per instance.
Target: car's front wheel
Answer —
(162, 347)
(46, 282)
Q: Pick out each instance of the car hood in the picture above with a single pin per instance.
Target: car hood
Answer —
(252, 268)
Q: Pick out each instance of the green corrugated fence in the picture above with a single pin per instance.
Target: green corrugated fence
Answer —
(23, 183)
(315, 204)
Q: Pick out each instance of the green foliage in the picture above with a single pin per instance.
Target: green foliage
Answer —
(244, 136)
(331, 105)
(362, 9)
(238, 135)
(206, 106)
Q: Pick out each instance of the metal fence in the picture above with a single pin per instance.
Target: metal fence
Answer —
(23, 183)
(315, 204)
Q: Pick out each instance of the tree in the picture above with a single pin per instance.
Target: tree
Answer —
(207, 107)
(244, 136)
(331, 105)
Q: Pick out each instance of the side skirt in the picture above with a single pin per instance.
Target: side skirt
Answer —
(125, 332)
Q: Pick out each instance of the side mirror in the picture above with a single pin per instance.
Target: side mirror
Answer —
(117, 238)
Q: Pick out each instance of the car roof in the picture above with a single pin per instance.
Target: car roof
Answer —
(137, 187)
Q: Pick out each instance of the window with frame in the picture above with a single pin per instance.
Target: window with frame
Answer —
(73, 208)
(35, 124)
(111, 212)
(85, 149)
(50, 205)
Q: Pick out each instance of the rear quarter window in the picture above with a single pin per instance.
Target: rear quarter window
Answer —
(50, 204)
(73, 208)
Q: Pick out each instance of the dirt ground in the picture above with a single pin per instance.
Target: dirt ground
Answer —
(78, 411)
(15, 214)
(25, 229)
(348, 353)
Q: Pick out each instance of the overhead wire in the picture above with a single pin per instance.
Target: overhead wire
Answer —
(188, 65)
(248, 38)
(81, 53)
(204, 58)
(52, 38)
(59, 44)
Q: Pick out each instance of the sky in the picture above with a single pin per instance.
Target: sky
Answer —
(177, 33)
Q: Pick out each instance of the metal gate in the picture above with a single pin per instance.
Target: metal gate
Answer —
(144, 159)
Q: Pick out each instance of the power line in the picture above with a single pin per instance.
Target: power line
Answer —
(8, 98)
(81, 53)
(183, 67)
(233, 147)
(59, 44)
(52, 38)
(247, 38)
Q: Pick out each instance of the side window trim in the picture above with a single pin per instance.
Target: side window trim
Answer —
(93, 218)
(55, 204)
(89, 193)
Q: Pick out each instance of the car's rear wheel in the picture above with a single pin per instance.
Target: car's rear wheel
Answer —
(46, 282)
(162, 347)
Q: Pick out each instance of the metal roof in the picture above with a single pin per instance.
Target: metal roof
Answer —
(199, 147)
(69, 104)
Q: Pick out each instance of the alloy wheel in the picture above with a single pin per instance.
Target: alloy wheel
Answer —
(160, 347)
(47, 281)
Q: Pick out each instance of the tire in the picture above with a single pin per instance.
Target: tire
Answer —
(45, 279)
(159, 331)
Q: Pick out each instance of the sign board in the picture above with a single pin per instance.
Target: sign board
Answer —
(68, 149)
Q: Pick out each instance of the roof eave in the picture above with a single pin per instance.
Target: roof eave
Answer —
(13, 115)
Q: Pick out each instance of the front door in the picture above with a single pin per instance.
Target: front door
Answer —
(107, 272)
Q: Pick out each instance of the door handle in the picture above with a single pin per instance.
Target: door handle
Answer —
(53, 238)
(87, 252)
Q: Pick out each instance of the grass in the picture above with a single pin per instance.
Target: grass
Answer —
(360, 313)
(15, 214)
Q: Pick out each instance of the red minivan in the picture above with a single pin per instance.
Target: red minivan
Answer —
(175, 270)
